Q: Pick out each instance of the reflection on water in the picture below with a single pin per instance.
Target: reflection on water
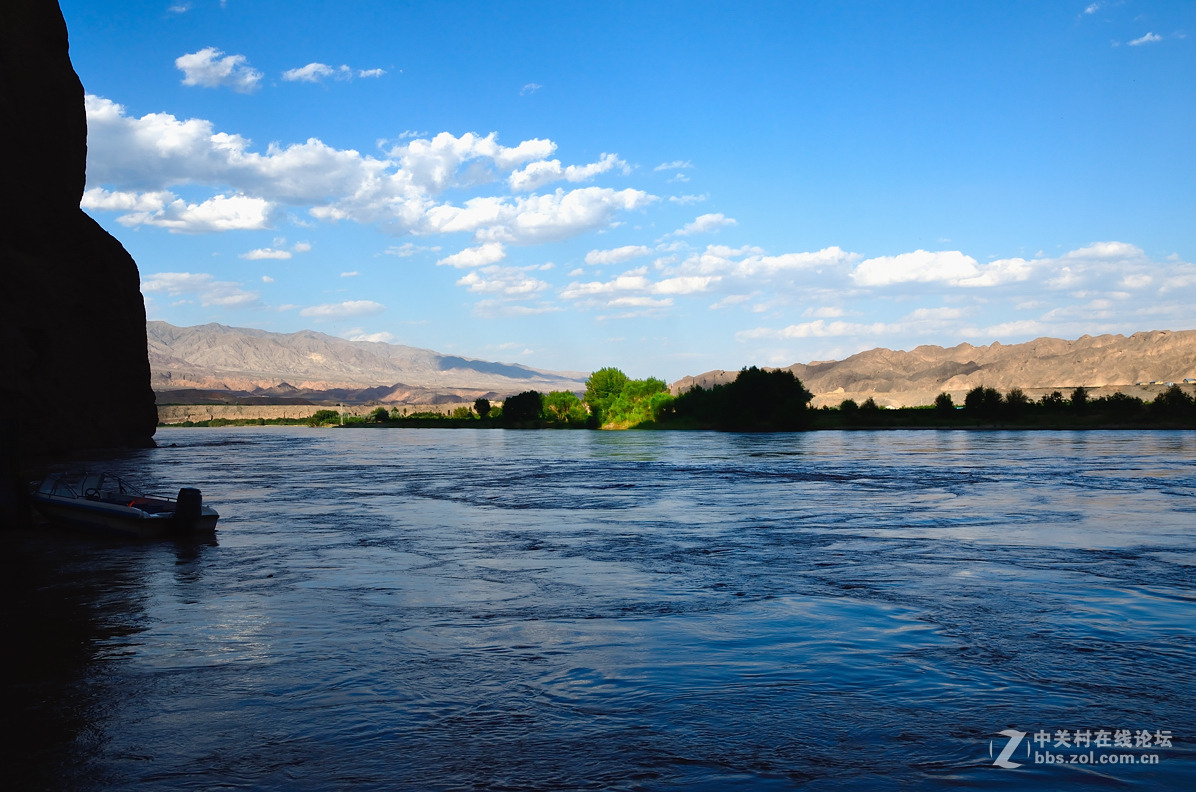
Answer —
(420, 609)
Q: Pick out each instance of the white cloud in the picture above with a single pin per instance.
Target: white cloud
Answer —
(210, 292)
(542, 172)
(266, 253)
(674, 165)
(315, 72)
(530, 88)
(408, 249)
(489, 253)
(509, 282)
(377, 338)
(818, 329)
(705, 223)
(1092, 8)
(131, 201)
(136, 159)
(434, 165)
(221, 213)
(208, 69)
(617, 255)
(637, 281)
(1106, 251)
(344, 309)
(1149, 38)
(920, 266)
(554, 216)
(267, 279)
(352, 274)
(685, 200)
(640, 302)
(367, 74)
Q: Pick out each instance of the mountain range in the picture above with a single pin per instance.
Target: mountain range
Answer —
(215, 364)
(897, 378)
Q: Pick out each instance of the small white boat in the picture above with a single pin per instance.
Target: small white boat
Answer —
(107, 503)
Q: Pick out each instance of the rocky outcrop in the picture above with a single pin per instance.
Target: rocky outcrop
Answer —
(71, 309)
(896, 378)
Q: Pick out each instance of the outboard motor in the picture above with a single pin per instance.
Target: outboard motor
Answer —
(187, 509)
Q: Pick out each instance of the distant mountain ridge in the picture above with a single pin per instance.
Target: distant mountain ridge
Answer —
(315, 366)
(906, 378)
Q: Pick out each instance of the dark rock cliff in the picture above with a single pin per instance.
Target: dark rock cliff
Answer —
(74, 372)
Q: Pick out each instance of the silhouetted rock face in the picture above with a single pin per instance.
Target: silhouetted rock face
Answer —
(71, 309)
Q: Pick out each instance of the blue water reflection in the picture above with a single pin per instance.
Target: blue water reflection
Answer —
(422, 609)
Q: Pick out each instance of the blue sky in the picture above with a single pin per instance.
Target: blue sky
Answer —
(664, 187)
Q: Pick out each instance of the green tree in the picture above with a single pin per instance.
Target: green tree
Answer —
(849, 406)
(481, 407)
(982, 402)
(380, 415)
(1173, 404)
(638, 402)
(757, 400)
(944, 404)
(522, 408)
(564, 407)
(1053, 402)
(461, 413)
(1016, 403)
(1079, 400)
(602, 388)
(322, 417)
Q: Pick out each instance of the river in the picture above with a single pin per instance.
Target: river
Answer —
(556, 610)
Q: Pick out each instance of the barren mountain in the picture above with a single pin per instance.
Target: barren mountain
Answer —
(905, 378)
(319, 367)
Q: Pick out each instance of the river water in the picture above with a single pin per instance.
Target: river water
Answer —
(469, 610)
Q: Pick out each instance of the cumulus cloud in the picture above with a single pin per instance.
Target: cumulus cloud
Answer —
(489, 253)
(685, 200)
(637, 281)
(266, 253)
(202, 286)
(1149, 38)
(315, 72)
(211, 68)
(920, 266)
(542, 172)
(617, 255)
(509, 282)
(705, 223)
(133, 162)
(221, 213)
(369, 74)
(674, 165)
(344, 309)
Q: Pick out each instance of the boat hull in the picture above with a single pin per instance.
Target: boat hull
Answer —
(120, 520)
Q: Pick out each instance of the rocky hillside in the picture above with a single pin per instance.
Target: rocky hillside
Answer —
(71, 310)
(317, 367)
(905, 378)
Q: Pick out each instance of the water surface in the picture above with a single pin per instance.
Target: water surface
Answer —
(457, 609)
